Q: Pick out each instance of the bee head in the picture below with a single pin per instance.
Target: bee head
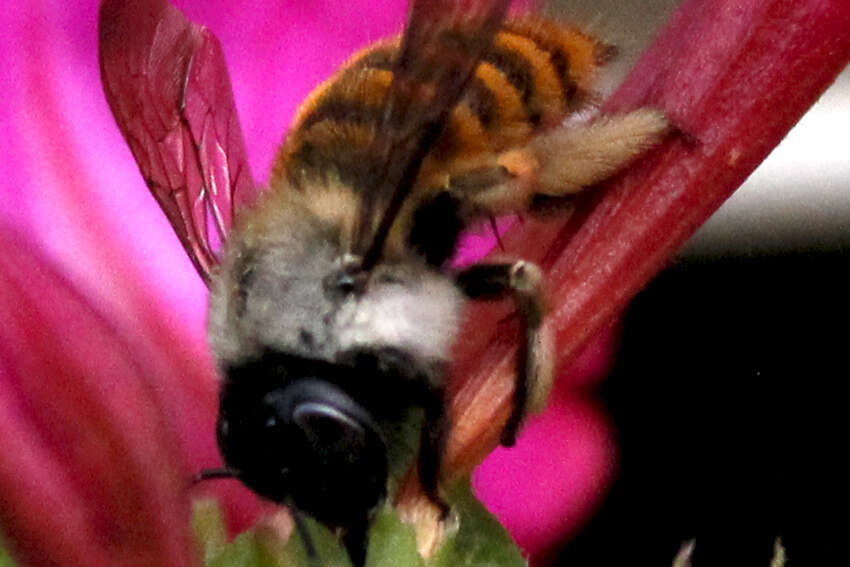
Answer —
(290, 432)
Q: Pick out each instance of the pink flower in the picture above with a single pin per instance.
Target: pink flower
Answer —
(91, 472)
(107, 392)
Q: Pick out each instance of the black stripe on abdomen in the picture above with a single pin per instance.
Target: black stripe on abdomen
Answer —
(519, 72)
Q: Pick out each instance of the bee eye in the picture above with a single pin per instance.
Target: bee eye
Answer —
(304, 441)
(325, 424)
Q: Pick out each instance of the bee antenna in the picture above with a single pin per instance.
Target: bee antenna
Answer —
(213, 474)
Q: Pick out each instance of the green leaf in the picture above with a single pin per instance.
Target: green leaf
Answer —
(477, 540)
(260, 546)
(5, 559)
(250, 549)
(209, 529)
(244, 551)
(330, 551)
(392, 543)
(480, 539)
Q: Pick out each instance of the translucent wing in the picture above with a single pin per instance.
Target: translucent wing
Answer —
(440, 50)
(167, 85)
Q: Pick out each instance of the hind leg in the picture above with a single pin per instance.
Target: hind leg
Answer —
(522, 281)
(559, 162)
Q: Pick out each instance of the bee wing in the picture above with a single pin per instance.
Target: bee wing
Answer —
(442, 44)
(167, 84)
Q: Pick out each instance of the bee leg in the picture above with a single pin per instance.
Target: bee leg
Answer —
(304, 533)
(558, 163)
(565, 160)
(432, 448)
(523, 281)
(355, 538)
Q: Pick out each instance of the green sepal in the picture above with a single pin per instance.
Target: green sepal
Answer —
(477, 539)
(392, 542)
(5, 559)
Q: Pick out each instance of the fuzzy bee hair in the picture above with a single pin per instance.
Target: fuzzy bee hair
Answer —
(333, 310)
(284, 285)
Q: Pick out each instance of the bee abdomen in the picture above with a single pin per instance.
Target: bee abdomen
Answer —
(534, 73)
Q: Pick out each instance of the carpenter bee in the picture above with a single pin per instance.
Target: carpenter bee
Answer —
(333, 312)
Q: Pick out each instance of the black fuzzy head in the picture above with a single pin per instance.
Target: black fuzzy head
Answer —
(295, 434)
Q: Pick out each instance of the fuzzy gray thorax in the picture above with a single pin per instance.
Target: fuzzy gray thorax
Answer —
(276, 291)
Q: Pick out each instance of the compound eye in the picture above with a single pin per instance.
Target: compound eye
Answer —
(332, 448)
(305, 442)
(326, 425)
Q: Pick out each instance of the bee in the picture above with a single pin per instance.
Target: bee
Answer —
(333, 311)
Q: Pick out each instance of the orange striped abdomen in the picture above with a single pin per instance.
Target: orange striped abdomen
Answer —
(534, 74)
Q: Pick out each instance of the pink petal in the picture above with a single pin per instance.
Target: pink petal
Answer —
(544, 488)
(90, 472)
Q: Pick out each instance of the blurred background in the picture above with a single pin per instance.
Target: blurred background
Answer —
(725, 400)
(727, 391)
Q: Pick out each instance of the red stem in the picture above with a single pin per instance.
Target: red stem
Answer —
(733, 76)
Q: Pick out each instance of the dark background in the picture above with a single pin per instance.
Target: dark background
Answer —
(728, 397)
(728, 393)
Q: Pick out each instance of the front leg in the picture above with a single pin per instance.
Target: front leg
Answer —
(432, 447)
(523, 281)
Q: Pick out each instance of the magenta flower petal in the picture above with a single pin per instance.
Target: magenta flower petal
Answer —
(544, 496)
(90, 473)
(71, 185)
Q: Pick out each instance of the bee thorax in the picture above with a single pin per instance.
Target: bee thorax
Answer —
(418, 316)
(303, 297)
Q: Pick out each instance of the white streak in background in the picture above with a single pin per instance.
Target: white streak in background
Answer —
(797, 199)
